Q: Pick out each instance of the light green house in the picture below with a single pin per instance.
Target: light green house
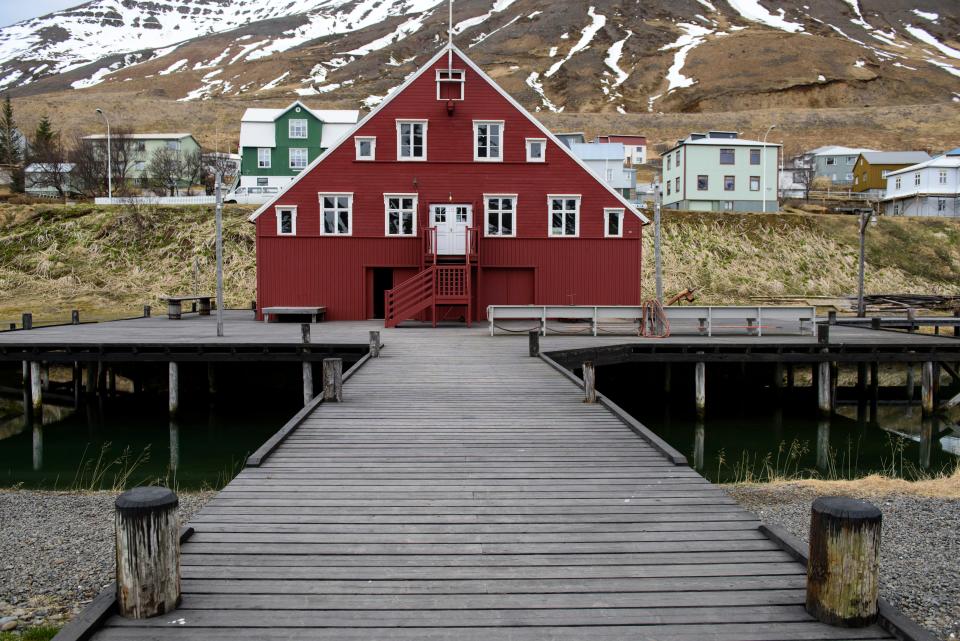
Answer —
(277, 144)
(718, 171)
(143, 146)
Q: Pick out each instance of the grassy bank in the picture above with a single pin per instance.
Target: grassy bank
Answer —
(109, 261)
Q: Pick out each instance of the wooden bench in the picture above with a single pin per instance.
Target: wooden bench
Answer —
(316, 314)
(175, 305)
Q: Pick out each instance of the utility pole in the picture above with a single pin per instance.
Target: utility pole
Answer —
(219, 221)
(109, 162)
(658, 264)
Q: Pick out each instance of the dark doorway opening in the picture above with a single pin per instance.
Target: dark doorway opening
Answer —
(382, 281)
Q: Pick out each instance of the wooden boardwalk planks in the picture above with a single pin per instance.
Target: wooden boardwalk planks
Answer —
(462, 491)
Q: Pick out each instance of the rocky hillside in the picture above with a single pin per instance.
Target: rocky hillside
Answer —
(593, 56)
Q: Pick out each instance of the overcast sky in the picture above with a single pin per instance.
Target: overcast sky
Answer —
(13, 11)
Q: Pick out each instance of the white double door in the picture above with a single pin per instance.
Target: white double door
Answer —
(451, 222)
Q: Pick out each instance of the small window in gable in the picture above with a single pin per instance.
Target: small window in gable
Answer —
(450, 84)
(366, 147)
(286, 221)
(613, 223)
(297, 128)
(536, 149)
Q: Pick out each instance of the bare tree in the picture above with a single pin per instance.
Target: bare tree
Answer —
(218, 163)
(89, 167)
(804, 176)
(123, 154)
(165, 170)
(194, 168)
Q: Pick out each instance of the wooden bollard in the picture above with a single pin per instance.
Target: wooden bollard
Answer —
(842, 573)
(305, 333)
(823, 334)
(875, 323)
(75, 317)
(374, 344)
(589, 382)
(27, 320)
(148, 552)
(534, 342)
(333, 379)
(146, 311)
(306, 366)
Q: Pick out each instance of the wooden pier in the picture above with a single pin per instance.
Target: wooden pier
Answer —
(464, 490)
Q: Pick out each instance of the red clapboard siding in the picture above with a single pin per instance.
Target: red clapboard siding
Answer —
(310, 269)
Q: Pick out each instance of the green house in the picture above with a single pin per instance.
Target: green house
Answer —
(277, 144)
(143, 146)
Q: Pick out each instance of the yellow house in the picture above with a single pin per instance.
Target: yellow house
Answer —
(871, 169)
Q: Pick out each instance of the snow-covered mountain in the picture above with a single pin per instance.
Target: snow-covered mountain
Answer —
(593, 55)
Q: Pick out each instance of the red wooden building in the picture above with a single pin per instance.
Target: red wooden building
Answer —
(446, 198)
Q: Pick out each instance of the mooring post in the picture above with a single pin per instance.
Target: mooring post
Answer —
(306, 366)
(173, 387)
(824, 396)
(374, 343)
(26, 320)
(926, 388)
(534, 342)
(146, 311)
(875, 323)
(333, 379)
(843, 570)
(912, 319)
(589, 382)
(700, 383)
(75, 317)
(36, 390)
(148, 552)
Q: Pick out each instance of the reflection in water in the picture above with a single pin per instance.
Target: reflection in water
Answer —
(927, 429)
(699, 436)
(823, 445)
(37, 447)
(174, 446)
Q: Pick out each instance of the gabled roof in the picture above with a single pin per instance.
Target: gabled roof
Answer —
(836, 150)
(143, 136)
(628, 206)
(343, 116)
(941, 162)
(895, 157)
(598, 150)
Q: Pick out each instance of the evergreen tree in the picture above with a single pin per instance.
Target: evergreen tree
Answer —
(45, 145)
(9, 136)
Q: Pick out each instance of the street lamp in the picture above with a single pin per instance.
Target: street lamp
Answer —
(867, 217)
(763, 168)
(658, 264)
(109, 162)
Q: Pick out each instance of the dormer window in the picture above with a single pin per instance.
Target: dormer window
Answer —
(297, 128)
(450, 84)
(366, 147)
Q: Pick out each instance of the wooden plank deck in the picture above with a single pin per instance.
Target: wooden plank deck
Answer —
(464, 492)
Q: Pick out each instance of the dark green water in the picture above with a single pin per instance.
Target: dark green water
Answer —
(131, 443)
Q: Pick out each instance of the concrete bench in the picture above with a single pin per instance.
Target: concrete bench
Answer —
(316, 314)
(175, 305)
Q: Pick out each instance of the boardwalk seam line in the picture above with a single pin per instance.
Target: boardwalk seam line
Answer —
(636, 426)
(889, 617)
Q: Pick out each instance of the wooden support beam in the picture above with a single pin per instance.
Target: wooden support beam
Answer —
(333, 379)
(926, 388)
(911, 383)
(77, 384)
(173, 389)
(791, 378)
(824, 396)
(843, 570)
(91, 377)
(700, 385)
(27, 390)
(374, 343)
(147, 552)
(36, 391)
(211, 380)
(589, 382)
(112, 381)
(308, 388)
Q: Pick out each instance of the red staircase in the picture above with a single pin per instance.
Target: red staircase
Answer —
(436, 284)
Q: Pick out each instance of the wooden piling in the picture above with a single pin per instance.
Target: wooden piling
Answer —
(824, 396)
(699, 440)
(147, 552)
(843, 570)
(926, 388)
(38, 445)
(308, 388)
(589, 382)
(174, 446)
(700, 384)
(173, 389)
(333, 379)
(375, 344)
(26, 320)
(791, 378)
(534, 342)
(75, 317)
(926, 441)
(36, 390)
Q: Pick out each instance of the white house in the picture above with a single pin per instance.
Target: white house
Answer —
(931, 188)
(606, 160)
(634, 147)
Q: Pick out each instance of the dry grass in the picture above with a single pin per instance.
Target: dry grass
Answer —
(945, 485)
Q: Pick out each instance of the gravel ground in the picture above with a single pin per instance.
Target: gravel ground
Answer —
(56, 552)
(920, 547)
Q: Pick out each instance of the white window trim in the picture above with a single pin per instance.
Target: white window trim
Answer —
(386, 215)
(476, 147)
(293, 219)
(349, 195)
(425, 124)
(306, 129)
(260, 164)
(462, 81)
(619, 211)
(550, 197)
(543, 145)
(306, 155)
(373, 147)
(486, 213)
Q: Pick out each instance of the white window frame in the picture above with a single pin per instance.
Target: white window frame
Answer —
(486, 216)
(306, 157)
(260, 153)
(916, 179)
(400, 124)
(607, 212)
(941, 204)
(543, 149)
(550, 199)
(943, 177)
(335, 232)
(897, 183)
(373, 147)
(293, 219)
(450, 79)
(831, 161)
(401, 210)
(476, 141)
(306, 129)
